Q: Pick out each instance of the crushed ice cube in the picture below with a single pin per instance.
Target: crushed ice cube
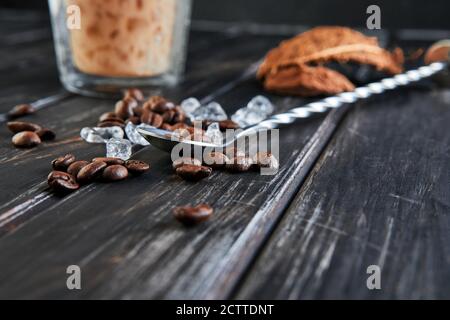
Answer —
(212, 111)
(134, 136)
(190, 105)
(245, 117)
(261, 104)
(214, 134)
(118, 148)
(101, 135)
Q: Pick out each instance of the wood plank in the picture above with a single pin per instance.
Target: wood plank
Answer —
(70, 116)
(129, 245)
(379, 195)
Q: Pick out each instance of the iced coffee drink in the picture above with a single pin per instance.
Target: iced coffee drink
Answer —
(124, 38)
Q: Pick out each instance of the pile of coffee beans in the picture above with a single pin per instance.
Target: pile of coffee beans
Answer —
(28, 134)
(190, 216)
(232, 160)
(158, 112)
(69, 173)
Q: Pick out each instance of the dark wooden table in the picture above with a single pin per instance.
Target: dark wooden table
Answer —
(363, 185)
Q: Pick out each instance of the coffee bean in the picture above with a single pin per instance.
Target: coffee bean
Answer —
(124, 108)
(134, 120)
(138, 111)
(180, 125)
(21, 110)
(227, 125)
(137, 167)
(62, 182)
(175, 115)
(108, 116)
(46, 134)
(91, 172)
(75, 167)
(109, 161)
(152, 118)
(62, 163)
(108, 124)
(193, 173)
(135, 94)
(26, 139)
(115, 173)
(19, 126)
(190, 216)
(239, 164)
(266, 160)
(158, 104)
(166, 127)
(216, 160)
(186, 160)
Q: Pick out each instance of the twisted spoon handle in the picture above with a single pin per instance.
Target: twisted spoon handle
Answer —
(348, 97)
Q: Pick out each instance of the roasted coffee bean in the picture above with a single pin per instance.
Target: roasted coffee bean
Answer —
(186, 160)
(108, 116)
(234, 152)
(179, 126)
(75, 167)
(135, 94)
(138, 111)
(175, 115)
(46, 134)
(108, 124)
(91, 172)
(21, 110)
(167, 127)
(266, 160)
(19, 126)
(62, 163)
(239, 164)
(26, 139)
(158, 104)
(137, 167)
(124, 108)
(109, 161)
(227, 125)
(216, 160)
(152, 118)
(115, 173)
(62, 182)
(134, 120)
(193, 173)
(190, 216)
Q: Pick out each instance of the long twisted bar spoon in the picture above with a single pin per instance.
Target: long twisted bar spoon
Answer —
(164, 139)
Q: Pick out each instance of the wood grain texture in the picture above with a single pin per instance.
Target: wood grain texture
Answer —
(129, 245)
(379, 195)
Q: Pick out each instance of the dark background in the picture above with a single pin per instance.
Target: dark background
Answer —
(395, 14)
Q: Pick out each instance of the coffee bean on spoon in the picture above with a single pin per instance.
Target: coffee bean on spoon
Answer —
(21, 110)
(19, 126)
(26, 139)
(109, 160)
(152, 118)
(75, 167)
(111, 123)
(91, 172)
(115, 173)
(227, 125)
(138, 111)
(62, 182)
(190, 216)
(46, 134)
(63, 162)
(137, 167)
(193, 173)
(158, 104)
(175, 115)
(124, 108)
(134, 120)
